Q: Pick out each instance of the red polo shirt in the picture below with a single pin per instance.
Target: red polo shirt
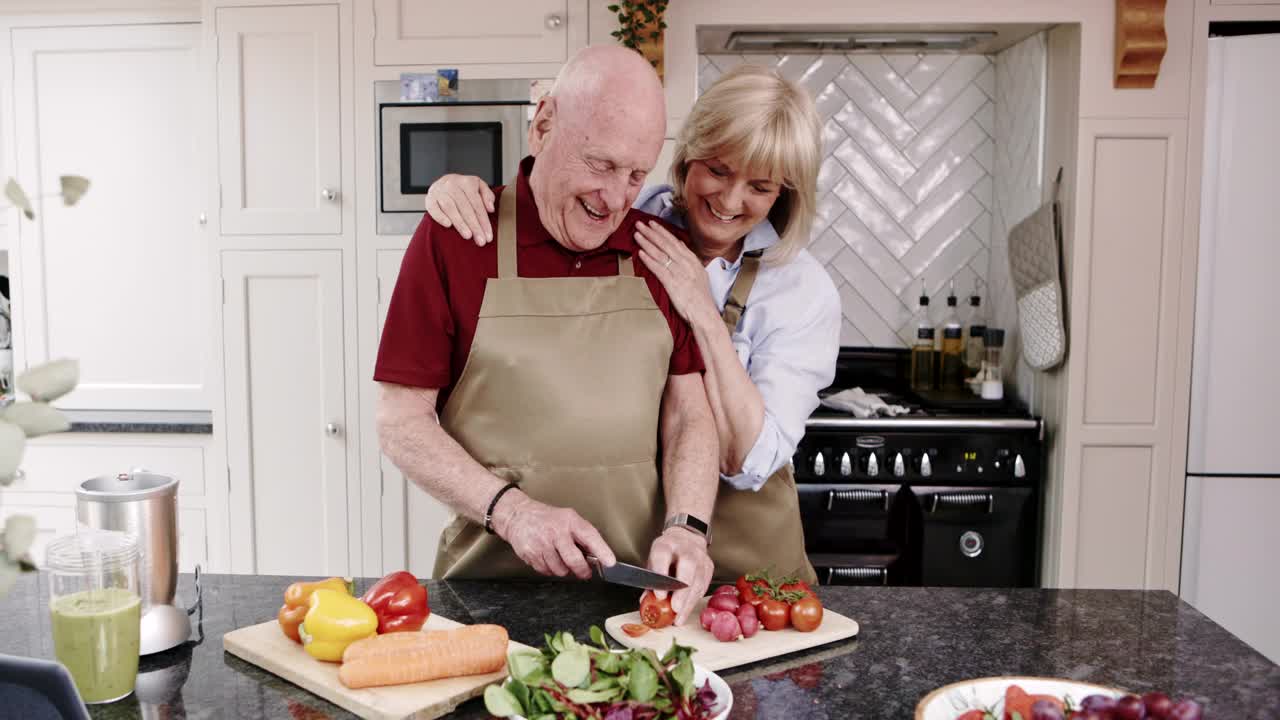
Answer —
(432, 317)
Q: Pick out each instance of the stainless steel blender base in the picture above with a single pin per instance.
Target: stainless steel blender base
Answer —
(163, 627)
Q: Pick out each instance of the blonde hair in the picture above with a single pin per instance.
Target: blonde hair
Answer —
(756, 119)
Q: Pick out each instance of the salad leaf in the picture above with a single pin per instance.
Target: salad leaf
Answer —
(500, 702)
(683, 675)
(644, 682)
(597, 637)
(571, 668)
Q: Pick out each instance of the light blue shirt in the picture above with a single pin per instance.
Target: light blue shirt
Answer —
(788, 338)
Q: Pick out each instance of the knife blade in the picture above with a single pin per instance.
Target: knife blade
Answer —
(621, 573)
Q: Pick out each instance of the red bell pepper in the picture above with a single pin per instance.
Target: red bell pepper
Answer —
(399, 601)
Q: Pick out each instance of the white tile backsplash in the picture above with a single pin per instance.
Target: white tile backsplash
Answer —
(911, 188)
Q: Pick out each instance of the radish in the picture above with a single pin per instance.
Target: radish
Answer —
(708, 614)
(725, 626)
(748, 621)
(724, 602)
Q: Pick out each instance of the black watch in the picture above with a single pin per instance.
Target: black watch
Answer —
(688, 521)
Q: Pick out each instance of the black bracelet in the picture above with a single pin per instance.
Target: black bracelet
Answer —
(488, 514)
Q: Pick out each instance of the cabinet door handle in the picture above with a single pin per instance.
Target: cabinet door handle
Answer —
(328, 194)
(332, 429)
(554, 22)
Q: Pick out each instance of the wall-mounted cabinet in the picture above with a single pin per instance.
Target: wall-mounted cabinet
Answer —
(121, 280)
(409, 32)
(279, 120)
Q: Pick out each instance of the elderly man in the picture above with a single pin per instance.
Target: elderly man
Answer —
(527, 383)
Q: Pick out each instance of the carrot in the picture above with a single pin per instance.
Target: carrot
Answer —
(386, 644)
(471, 650)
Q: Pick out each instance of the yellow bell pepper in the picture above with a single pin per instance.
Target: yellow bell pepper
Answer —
(334, 621)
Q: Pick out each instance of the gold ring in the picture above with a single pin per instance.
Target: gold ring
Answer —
(668, 263)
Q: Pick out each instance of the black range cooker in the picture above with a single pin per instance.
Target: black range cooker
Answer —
(947, 494)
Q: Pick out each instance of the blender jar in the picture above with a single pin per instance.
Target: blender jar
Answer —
(95, 607)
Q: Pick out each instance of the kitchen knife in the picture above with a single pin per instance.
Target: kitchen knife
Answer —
(621, 573)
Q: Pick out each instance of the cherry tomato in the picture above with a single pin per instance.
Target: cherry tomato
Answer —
(773, 614)
(806, 614)
(635, 630)
(654, 612)
(752, 591)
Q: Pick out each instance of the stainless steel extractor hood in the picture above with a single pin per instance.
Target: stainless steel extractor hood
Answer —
(777, 40)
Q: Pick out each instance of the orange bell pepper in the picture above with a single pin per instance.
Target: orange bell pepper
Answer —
(296, 599)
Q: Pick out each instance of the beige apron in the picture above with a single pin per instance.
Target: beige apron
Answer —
(757, 530)
(561, 393)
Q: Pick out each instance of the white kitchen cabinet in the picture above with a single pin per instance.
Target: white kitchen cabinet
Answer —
(290, 502)
(411, 519)
(121, 280)
(413, 32)
(279, 120)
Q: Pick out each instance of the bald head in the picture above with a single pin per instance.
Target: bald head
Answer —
(610, 76)
(595, 136)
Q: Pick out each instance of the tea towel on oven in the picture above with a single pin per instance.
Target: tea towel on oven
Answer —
(1034, 262)
(862, 404)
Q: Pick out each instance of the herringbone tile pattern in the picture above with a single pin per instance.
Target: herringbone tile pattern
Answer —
(906, 189)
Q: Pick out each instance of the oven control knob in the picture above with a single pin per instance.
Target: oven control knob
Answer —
(819, 465)
(926, 468)
(873, 465)
(899, 466)
(971, 543)
(846, 467)
(1019, 467)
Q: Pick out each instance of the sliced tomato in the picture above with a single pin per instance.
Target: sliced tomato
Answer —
(654, 612)
(634, 630)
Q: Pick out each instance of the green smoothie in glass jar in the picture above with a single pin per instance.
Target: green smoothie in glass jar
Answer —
(95, 610)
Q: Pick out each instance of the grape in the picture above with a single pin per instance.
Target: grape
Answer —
(1185, 710)
(1158, 705)
(1129, 707)
(1092, 715)
(1045, 710)
(1098, 702)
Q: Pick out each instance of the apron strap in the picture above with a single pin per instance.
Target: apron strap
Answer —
(626, 265)
(741, 290)
(507, 231)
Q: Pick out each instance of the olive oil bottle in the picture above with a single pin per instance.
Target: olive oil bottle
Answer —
(951, 357)
(923, 357)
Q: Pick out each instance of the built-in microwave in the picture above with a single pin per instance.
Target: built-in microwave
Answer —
(483, 131)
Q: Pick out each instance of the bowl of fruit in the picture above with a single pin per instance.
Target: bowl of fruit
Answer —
(1028, 698)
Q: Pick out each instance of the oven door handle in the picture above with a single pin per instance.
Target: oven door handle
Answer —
(858, 496)
(857, 573)
(963, 499)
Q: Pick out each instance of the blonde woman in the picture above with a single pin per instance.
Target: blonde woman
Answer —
(765, 313)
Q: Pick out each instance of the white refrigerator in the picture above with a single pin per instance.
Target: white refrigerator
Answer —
(1231, 530)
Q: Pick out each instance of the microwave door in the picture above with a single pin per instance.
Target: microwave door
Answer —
(421, 143)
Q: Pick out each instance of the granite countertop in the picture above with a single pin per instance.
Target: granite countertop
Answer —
(912, 640)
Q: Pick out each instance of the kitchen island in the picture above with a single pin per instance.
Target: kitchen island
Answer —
(912, 640)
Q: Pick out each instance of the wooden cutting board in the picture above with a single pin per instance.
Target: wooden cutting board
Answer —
(267, 647)
(715, 655)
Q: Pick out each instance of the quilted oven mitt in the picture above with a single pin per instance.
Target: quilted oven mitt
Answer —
(1034, 265)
